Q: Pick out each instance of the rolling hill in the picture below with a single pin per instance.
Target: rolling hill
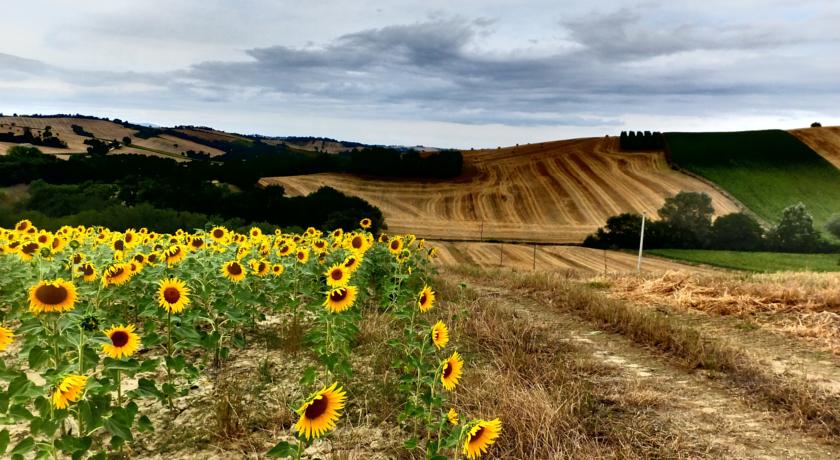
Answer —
(765, 170)
(553, 192)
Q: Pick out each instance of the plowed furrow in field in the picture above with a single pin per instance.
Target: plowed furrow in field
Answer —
(555, 192)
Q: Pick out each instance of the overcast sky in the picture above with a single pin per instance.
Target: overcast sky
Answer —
(471, 73)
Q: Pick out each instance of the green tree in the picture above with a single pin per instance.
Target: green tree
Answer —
(795, 231)
(690, 215)
(736, 231)
(833, 225)
(21, 151)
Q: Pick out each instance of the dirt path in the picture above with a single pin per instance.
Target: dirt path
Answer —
(700, 407)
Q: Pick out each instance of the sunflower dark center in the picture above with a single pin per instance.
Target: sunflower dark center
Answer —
(56, 243)
(317, 408)
(336, 275)
(139, 258)
(235, 269)
(77, 259)
(197, 243)
(114, 273)
(29, 248)
(51, 295)
(338, 295)
(128, 238)
(218, 233)
(88, 270)
(171, 294)
(423, 299)
(152, 258)
(42, 239)
(357, 242)
(261, 267)
(477, 435)
(447, 370)
(436, 335)
(119, 245)
(119, 338)
(395, 245)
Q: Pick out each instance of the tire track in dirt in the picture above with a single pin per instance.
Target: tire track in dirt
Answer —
(699, 407)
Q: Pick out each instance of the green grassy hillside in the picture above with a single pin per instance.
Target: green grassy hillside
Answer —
(755, 261)
(765, 170)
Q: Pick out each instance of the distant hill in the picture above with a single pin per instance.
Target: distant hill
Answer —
(553, 192)
(765, 170)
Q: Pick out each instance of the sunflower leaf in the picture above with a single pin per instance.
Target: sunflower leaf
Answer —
(281, 450)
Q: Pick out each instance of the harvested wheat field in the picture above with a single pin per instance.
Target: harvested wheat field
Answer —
(165, 145)
(825, 141)
(553, 192)
(553, 258)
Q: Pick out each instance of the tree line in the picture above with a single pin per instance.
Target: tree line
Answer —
(685, 221)
(123, 190)
(641, 140)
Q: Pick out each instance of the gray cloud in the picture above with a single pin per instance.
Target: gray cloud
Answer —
(587, 70)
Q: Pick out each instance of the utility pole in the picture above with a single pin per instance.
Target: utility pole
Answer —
(535, 257)
(641, 245)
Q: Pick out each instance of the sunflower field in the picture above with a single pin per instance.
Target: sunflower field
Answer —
(102, 331)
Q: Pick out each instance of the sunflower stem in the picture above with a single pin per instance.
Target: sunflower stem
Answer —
(119, 387)
(169, 353)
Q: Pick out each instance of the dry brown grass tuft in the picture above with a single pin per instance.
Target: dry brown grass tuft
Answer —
(810, 406)
(554, 401)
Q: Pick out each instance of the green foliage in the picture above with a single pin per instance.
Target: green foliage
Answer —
(764, 262)
(690, 215)
(765, 170)
(795, 231)
(737, 231)
(833, 226)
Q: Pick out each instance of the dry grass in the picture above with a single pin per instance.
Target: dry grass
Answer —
(807, 406)
(552, 258)
(728, 294)
(553, 192)
(825, 141)
(554, 401)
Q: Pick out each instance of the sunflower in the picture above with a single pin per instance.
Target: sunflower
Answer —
(87, 271)
(337, 275)
(320, 412)
(77, 258)
(255, 232)
(28, 250)
(23, 225)
(351, 263)
(337, 234)
(6, 337)
(173, 295)
(286, 249)
(383, 238)
(395, 245)
(426, 300)
(277, 269)
(174, 254)
(451, 371)
(139, 258)
(340, 299)
(58, 244)
(152, 258)
(319, 246)
(452, 416)
(196, 243)
(69, 390)
(302, 256)
(481, 434)
(124, 342)
(234, 271)
(116, 274)
(48, 296)
(260, 267)
(219, 234)
(365, 223)
(357, 243)
(440, 335)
